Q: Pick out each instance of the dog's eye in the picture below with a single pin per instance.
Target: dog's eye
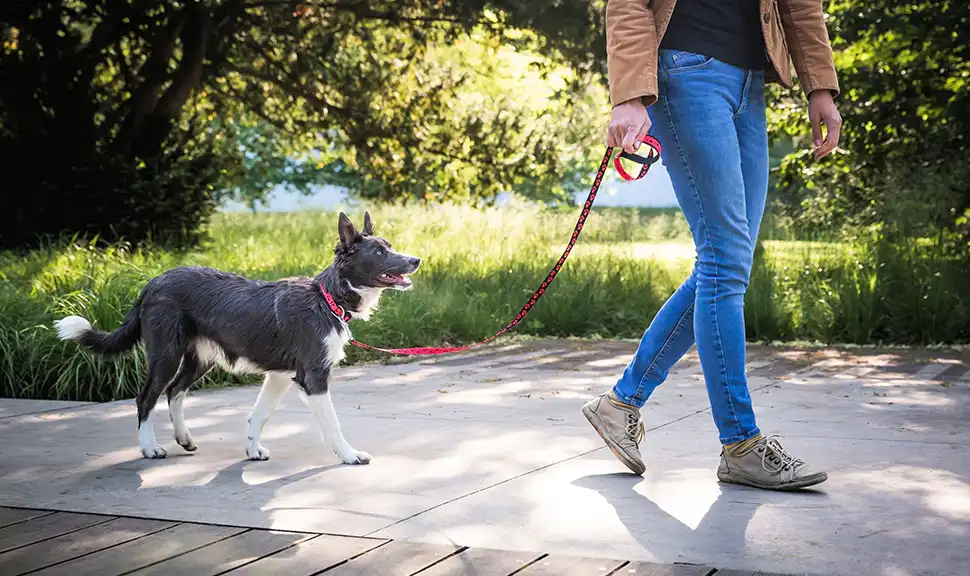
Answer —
(380, 252)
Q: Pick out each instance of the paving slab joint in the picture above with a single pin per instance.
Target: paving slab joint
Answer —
(456, 552)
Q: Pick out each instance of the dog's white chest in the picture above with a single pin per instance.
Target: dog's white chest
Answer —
(334, 343)
(369, 301)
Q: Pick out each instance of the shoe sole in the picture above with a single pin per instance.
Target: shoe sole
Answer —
(597, 423)
(807, 482)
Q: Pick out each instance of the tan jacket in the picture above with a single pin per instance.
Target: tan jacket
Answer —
(794, 30)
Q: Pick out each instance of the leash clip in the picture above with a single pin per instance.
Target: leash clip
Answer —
(645, 161)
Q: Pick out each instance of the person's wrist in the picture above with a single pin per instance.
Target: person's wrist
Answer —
(823, 93)
(638, 101)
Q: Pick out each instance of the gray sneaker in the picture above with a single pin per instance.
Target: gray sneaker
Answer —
(620, 427)
(767, 465)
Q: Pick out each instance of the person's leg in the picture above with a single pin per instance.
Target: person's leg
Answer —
(668, 338)
(616, 415)
(702, 97)
(759, 461)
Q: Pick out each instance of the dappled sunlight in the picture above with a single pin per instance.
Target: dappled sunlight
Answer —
(203, 421)
(408, 377)
(66, 416)
(488, 351)
(482, 450)
(511, 391)
(545, 512)
(348, 374)
(902, 382)
(278, 430)
(895, 571)
(943, 492)
(259, 474)
(685, 494)
(493, 393)
(229, 411)
(545, 360)
(909, 398)
(612, 362)
(174, 472)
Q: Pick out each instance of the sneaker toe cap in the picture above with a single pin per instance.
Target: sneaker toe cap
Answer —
(808, 472)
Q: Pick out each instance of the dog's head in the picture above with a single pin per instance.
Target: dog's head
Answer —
(368, 261)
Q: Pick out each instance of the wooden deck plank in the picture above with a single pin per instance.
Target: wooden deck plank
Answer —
(143, 551)
(45, 527)
(571, 566)
(310, 556)
(651, 569)
(76, 544)
(226, 554)
(10, 516)
(396, 558)
(482, 562)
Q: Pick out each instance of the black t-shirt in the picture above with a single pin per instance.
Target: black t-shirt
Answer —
(728, 30)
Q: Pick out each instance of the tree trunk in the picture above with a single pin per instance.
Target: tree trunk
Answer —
(155, 73)
(195, 36)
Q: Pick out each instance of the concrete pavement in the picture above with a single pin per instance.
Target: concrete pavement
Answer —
(489, 449)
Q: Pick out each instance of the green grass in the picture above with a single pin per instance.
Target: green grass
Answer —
(479, 268)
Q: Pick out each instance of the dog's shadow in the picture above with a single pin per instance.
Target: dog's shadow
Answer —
(232, 476)
(130, 477)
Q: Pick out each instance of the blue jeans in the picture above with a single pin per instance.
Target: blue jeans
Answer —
(710, 118)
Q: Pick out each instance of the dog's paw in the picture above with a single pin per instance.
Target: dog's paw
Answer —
(257, 452)
(187, 444)
(356, 457)
(153, 452)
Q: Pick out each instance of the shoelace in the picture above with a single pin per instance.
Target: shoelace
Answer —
(634, 428)
(775, 453)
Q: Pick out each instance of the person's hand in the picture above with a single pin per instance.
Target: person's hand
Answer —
(822, 110)
(629, 120)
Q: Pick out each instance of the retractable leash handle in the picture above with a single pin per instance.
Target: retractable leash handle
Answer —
(645, 161)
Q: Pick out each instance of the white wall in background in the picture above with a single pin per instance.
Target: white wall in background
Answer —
(652, 191)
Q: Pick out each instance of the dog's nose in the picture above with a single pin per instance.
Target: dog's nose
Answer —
(415, 262)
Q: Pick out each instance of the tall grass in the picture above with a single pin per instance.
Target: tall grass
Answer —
(479, 267)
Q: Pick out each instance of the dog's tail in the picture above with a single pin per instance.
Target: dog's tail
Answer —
(104, 343)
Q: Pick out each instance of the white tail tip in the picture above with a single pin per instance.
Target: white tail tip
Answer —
(71, 327)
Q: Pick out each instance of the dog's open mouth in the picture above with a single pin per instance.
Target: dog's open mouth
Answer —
(394, 280)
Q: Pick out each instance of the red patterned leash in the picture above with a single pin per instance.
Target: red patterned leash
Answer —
(646, 162)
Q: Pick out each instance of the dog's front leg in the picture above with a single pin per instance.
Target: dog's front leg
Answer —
(316, 394)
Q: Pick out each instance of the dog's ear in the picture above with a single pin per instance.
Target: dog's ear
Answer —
(368, 225)
(346, 230)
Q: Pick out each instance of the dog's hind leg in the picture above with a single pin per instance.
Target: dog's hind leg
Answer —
(164, 368)
(275, 385)
(316, 394)
(191, 370)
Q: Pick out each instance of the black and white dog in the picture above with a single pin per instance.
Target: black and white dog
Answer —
(193, 318)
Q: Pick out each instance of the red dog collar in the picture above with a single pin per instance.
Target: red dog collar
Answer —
(334, 307)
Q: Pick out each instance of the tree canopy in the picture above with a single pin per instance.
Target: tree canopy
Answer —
(134, 119)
